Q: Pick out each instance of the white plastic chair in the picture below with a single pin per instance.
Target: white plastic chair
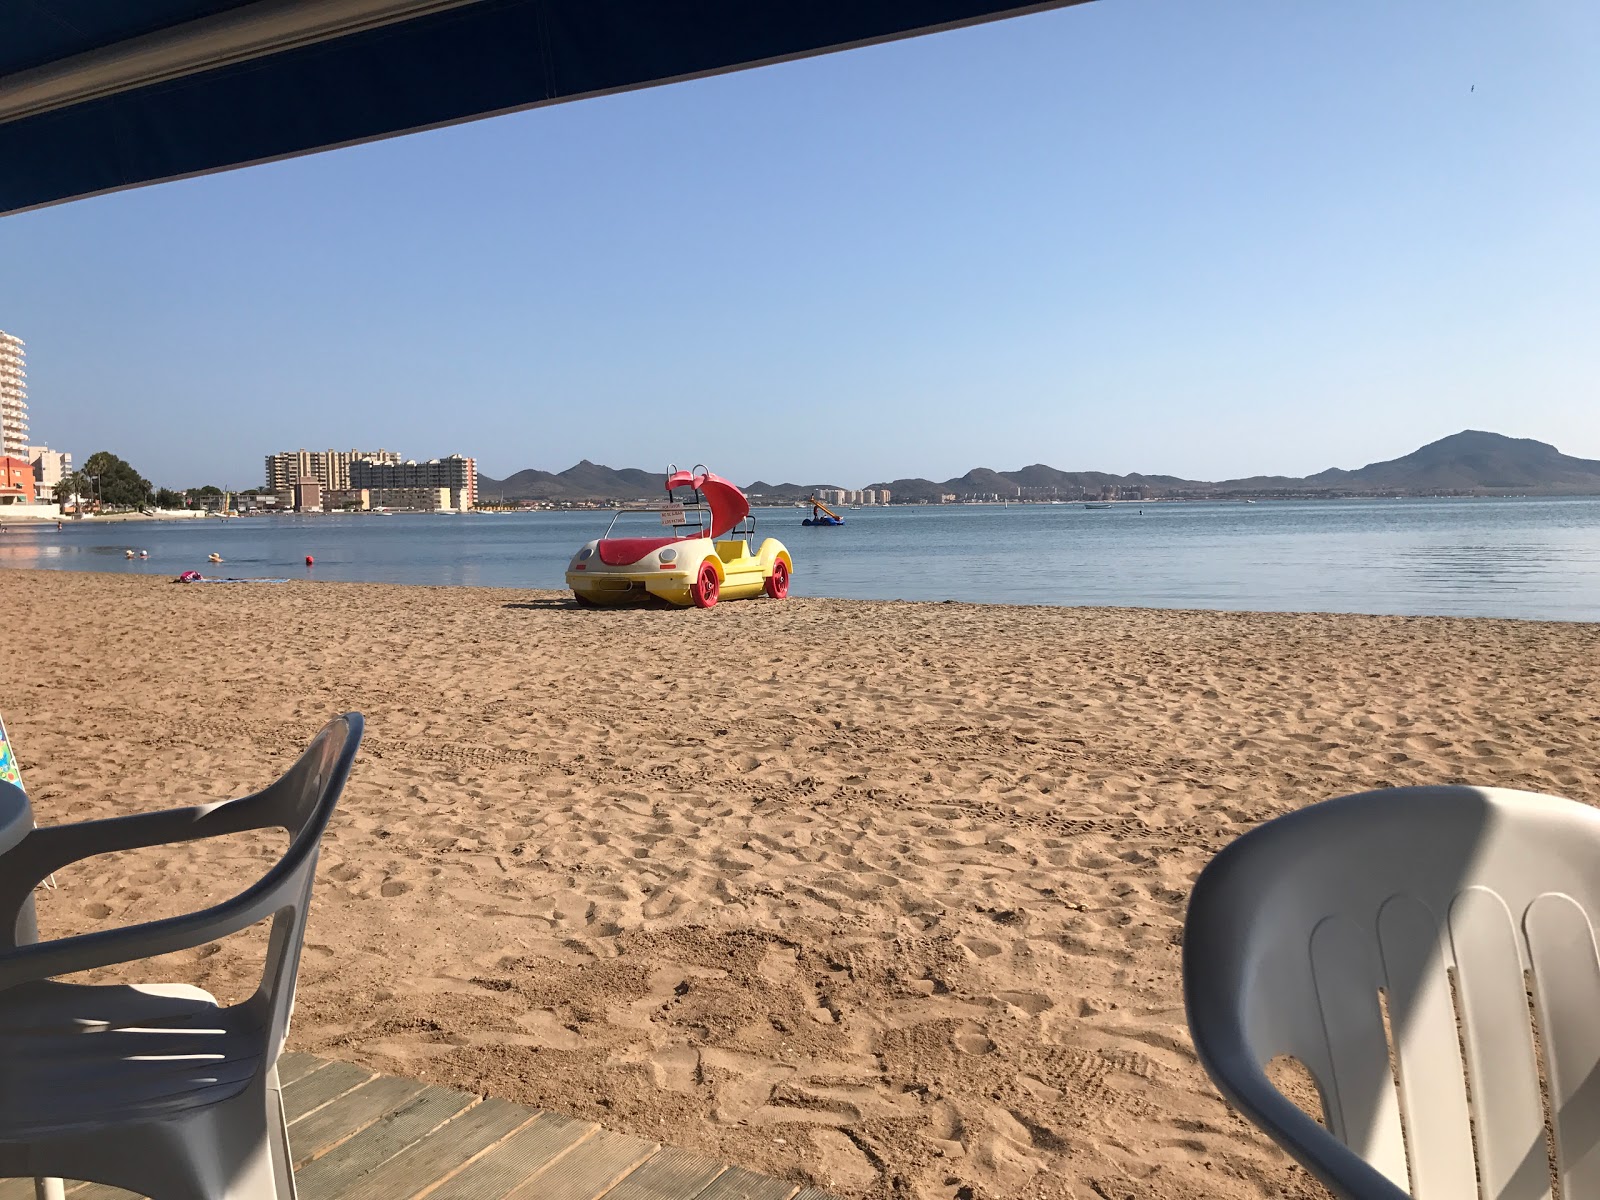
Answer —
(1443, 898)
(157, 1088)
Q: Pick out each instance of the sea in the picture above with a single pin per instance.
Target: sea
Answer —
(1497, 557)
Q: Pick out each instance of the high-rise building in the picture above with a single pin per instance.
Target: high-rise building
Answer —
(458, 474)
(13, 398)
(330, 468)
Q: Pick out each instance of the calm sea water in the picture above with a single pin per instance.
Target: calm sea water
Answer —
(1511, 557)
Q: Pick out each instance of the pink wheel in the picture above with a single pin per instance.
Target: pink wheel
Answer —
(777, 585)
(707, 587)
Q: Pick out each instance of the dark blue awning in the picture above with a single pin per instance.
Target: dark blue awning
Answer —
(97, 95)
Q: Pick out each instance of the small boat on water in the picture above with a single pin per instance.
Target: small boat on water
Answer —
(822, 515)
(1102, 504)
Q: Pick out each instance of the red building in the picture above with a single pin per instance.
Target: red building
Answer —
(16, 481)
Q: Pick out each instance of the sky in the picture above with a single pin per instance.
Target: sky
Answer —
(1208, 238)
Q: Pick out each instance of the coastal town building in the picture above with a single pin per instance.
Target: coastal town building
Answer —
(16, 481)
(346, 500)
(413, 499)
(330, 468)
(849, 496)
(50, 467)
(455, 475)
(13, 398)
(307, 494)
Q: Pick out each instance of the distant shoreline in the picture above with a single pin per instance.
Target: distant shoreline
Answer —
(99, 519)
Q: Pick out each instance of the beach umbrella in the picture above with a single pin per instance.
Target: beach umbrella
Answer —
(100, 95)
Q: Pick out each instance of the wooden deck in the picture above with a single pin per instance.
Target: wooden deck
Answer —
(361, 1136)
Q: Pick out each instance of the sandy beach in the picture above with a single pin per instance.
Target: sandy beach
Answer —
(884, 897)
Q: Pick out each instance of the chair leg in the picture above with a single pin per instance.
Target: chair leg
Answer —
(49, 1189)
(278, 1132)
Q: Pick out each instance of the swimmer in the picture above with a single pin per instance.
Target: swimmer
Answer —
(144, 554)
(215, 557)
(127, 554)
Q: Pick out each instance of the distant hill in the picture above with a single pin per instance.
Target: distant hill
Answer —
(586, 481)
(1470, 461)
(1473, 460)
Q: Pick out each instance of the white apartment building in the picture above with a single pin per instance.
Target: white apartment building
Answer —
(13, 398)
(330, 468)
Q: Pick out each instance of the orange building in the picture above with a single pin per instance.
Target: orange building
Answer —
(16, 481)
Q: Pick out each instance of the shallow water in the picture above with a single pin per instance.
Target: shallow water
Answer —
(1509, 558)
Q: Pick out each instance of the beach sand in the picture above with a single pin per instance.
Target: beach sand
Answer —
(881, 896)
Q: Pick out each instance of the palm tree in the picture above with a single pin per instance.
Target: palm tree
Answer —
(71, 486)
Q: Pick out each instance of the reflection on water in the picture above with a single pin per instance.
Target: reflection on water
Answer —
(1482, 566)
(1521, 558)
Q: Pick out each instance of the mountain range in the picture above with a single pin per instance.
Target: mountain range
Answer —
(1472, 461)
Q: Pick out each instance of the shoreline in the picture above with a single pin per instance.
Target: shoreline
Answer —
(101, 519)
(561, 597)
(847, 892)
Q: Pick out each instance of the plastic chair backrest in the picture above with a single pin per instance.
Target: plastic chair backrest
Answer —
(1458, 904)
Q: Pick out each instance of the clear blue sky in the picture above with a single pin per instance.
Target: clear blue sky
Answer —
(1200, 237)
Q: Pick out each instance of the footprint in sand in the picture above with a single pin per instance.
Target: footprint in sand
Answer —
(1031, 1003)
(980, 947)
(969, 1039)
(841, 1163)
(394, 887)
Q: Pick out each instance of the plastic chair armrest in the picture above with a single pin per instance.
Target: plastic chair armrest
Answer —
(55, 846)
(48, 848)
(108, 947)
(1342, 1171)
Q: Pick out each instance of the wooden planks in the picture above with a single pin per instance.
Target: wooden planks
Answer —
(443, 1153)
(515, 1160)
(668, 1174)
(305, 1096)
(319, 1132)
(356, 1135)
(588, 1170)
(385, 1138)
(738, 1184)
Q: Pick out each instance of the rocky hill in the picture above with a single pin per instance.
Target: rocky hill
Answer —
(1470, 461)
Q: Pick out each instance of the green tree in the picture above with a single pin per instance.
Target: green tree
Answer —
(116, 483)
(167, 498)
